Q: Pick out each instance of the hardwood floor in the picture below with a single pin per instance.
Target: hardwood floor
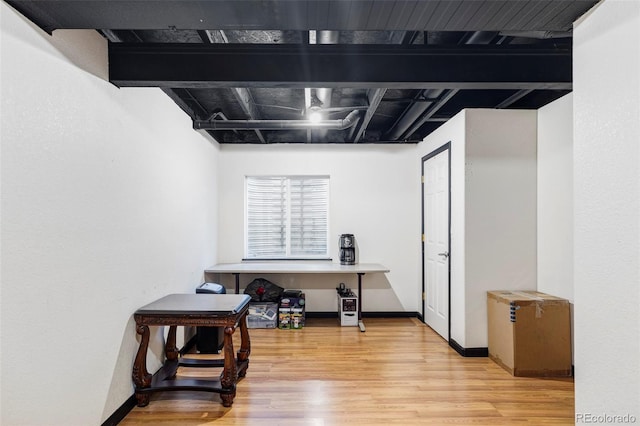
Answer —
(398, 372)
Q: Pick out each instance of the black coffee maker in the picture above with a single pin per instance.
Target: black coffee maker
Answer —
(347, 249)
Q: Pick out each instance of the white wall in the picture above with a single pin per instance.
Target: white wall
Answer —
(606, 87)
(493, 223)
(500, 229)
(108, 202)
(374, 194)
(555, 198)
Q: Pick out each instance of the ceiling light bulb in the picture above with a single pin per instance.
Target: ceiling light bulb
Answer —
(315, 116)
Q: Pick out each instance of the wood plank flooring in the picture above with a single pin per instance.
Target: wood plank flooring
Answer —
(398, 372)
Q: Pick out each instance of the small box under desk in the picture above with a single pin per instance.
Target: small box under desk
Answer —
(348, 311)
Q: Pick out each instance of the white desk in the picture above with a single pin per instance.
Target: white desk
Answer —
(300, 267)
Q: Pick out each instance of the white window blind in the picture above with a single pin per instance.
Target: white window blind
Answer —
(287, 217)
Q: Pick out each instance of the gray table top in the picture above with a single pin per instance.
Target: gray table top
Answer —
(197, 304)
(296, 267)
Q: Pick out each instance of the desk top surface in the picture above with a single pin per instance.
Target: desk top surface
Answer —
(197, 304)
(296, 267)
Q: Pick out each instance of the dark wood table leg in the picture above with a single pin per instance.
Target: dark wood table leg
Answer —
(141, 376)
(170, 348)
(237, 275)
(229, 375)
(245, 345)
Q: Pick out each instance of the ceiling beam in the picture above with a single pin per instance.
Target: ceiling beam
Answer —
(324, 65)
(446, 97)
(185, 100)
(374, 97)
(513, 98)
(245, 99)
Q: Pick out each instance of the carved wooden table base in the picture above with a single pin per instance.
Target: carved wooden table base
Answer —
(209, 310)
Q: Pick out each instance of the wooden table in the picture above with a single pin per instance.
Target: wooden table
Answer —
(208, 310)
(301, 267)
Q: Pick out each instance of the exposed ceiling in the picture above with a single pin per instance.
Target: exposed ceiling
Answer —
(377, 71)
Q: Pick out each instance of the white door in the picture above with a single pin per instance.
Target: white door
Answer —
(435, 216)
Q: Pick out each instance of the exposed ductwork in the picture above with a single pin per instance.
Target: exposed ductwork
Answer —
(413, 113)
(343, 124)
(413, 64)
(324, 93)
(326, 37)
(404, 126)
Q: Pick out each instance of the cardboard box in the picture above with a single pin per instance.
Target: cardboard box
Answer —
(262, 315)
(530, 333)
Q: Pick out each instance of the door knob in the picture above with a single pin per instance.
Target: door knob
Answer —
(445, 254)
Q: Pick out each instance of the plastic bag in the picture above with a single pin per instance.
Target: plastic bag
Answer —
(262, 290)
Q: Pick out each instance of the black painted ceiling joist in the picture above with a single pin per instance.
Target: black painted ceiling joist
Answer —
(354, 66)
(431, 15)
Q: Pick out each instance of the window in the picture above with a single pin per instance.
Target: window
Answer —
(287, 217)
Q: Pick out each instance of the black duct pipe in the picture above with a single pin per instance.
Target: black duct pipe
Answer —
(343, 124)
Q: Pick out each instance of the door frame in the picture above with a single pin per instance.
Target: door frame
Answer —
(445, 147)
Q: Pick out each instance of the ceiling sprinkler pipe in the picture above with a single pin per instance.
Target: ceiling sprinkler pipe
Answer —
(343, 124)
